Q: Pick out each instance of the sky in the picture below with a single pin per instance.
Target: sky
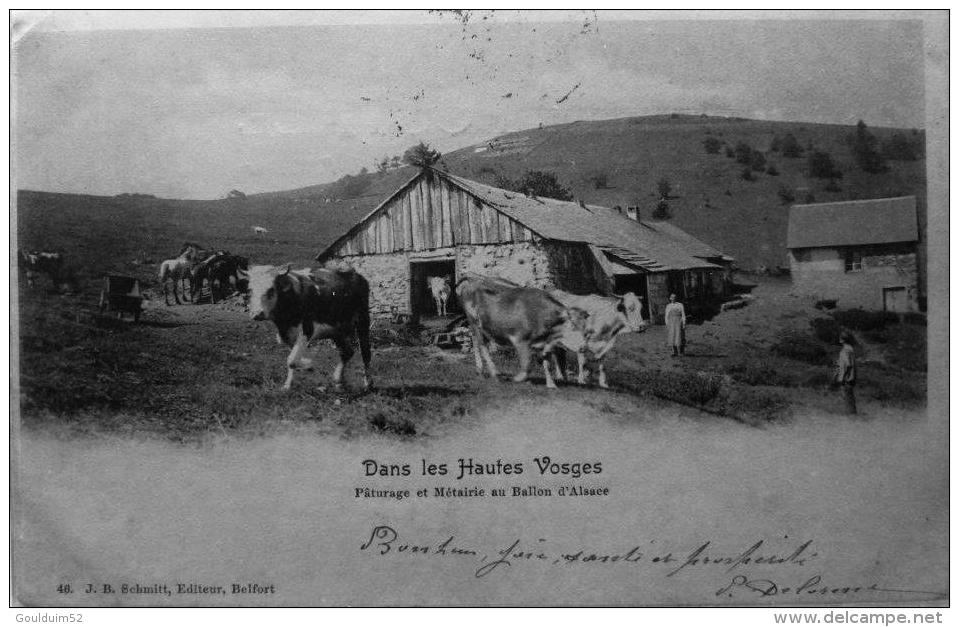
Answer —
(171, 105)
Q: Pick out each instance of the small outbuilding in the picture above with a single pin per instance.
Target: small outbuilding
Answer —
(860, 253)
(439, 224)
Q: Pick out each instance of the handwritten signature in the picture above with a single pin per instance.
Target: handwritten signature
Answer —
(812, 586)
(386, 541)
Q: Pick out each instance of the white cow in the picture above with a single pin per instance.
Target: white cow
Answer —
(259, 230)
(440, 288)
(606, 317)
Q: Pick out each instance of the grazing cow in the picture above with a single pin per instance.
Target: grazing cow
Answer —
(37, 262)
(310, 305)
(500, 311)
(259, 230)
(440, 288)
(606, 318)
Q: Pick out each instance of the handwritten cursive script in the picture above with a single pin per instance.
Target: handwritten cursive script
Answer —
(777, 560)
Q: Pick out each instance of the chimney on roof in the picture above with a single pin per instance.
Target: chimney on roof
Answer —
(632, 212)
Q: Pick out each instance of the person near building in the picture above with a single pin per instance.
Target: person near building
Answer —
(675, 315)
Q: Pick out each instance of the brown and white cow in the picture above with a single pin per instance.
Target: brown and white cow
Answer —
(606, 318)
(440, 289)
(527, 318)
(309, 305)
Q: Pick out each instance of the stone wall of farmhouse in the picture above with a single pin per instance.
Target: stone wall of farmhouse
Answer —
(571, 267)
(525, 263)
(536, 264)
(821, 273)
(389, 278)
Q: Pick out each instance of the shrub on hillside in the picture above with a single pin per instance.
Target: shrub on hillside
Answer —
(902, 148)
(865, 149)
(757, 161)
(755, 407)
(801, 347)
(730, 152)
(826, 329)
(786, 194)
(898, 391)
(821, 166)
(832, 186)
(790, 146)
(772, 171)
(712, 145)
(752, 372)
(747, 174)
(661, 212)
(915, 318)
(599, 180)
(862, 320)
(664, 187)
(744, 153)
(688, 388)
(536, 183)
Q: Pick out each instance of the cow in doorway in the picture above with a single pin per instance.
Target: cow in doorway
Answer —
(310, 305)
(606, 318)
(440, 289)
(527, 318)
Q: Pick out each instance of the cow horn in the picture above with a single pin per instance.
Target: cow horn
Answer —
(289, 267)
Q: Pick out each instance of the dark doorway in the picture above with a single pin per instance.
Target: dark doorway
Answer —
(676, 284)
(635, 283)
(421, 298)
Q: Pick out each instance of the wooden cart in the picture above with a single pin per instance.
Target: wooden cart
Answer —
(121, 294)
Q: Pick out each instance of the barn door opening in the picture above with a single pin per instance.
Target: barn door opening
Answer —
(421, 298)
(635, 283)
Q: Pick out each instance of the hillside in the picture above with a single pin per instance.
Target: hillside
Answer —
(746, 219)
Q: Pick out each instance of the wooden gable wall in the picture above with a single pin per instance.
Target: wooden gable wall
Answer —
(431, 213)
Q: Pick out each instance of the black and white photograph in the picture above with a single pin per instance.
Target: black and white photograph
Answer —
(480, 308)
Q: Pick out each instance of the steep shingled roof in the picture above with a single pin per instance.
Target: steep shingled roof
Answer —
(853, 223)
(662, 247)
(653, 246)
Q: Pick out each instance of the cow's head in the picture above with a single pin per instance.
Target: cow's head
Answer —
(266, 284)
(631, 306)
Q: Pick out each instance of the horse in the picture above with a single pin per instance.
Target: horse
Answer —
(176, 270)
(219, 269)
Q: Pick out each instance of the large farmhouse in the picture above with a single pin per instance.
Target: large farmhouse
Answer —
(438, 224)
(860, 253)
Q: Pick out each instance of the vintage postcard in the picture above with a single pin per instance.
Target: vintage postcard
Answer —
(479, 308)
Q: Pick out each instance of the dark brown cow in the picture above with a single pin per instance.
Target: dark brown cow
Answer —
(314, 304)
(527, 318)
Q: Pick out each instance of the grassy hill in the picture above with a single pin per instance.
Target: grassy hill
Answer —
(746, 219)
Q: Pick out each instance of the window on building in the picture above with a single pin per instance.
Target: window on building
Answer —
(853, 260)
(802, 254)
